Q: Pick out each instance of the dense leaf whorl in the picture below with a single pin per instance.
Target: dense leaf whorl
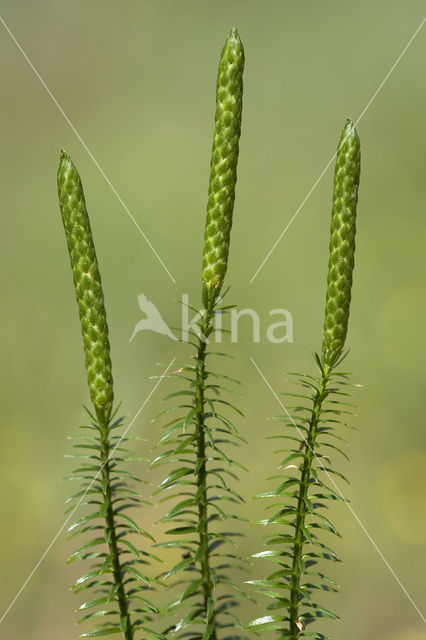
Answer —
(342, 244)
(306, 488)
(88, 287)
(223, 166)
(200, 482)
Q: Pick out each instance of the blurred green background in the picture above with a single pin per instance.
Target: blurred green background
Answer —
(137, 80)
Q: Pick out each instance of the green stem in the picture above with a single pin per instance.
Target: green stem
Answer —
(108, 511)
(203, 550)
(296, 571)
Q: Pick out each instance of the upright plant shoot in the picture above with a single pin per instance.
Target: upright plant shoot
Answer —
(307, 476)
(196, 438)
(114, 578)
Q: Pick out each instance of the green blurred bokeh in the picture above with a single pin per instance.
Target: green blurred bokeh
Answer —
(137, 81)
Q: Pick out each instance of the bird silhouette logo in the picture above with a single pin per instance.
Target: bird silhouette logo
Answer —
(153, 320)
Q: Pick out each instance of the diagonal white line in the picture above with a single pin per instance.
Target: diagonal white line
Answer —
(390, 71)
(318, 180)
(340, 493)
(48, 548)
(95, 162)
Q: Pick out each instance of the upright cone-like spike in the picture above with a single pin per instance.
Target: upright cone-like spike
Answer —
(88, 287)
(342, 244)
(223, 166)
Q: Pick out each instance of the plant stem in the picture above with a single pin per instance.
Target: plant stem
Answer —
(309, 444)
(201, 495)
(108, 511)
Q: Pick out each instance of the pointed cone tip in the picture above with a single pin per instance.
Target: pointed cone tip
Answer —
(349, 130)
(349, 125)
(64, 155)
(233, 34)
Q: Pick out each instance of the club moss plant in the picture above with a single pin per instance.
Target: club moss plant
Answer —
(115, 579)
(198, 482)
(195, 445)
(307, 473)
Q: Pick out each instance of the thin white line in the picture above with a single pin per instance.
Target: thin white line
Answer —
(341, 494)
(292, 219)
(334, 156)
(390, 70)
(97, 165)
(84, 495)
